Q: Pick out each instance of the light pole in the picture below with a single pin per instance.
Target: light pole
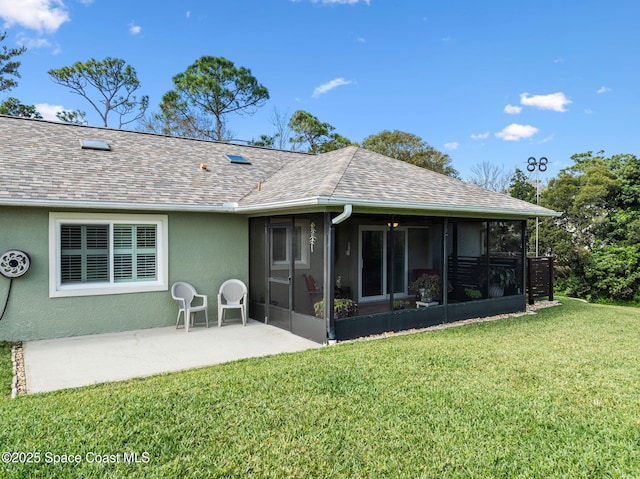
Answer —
(537, 166)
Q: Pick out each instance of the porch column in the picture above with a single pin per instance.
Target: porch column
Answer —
(445, 268)
(329, 273)
(523, 256)
(391, 273)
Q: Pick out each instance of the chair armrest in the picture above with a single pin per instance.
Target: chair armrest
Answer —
(204, 298)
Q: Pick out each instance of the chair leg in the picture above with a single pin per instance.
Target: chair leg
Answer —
(220, 315)
(244, 315)
(206, 317)
(178, 320)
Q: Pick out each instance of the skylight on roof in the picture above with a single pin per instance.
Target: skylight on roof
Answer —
(238, 159)
(95, 145)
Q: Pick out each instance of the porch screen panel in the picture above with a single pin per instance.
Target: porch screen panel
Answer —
(506, 257)
(84, 253)
(308, 274)
(468, 266)
(373, 263)
(279, 245)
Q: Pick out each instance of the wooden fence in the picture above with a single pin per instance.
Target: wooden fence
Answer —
(539, 277)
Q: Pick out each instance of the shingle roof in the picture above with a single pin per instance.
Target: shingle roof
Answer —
(42, 163)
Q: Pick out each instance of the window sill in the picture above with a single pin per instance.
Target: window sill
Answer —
(106, 289)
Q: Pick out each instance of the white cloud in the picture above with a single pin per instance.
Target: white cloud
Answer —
(481, 136)
(603, 89)
(188, 14)
(48, 112)
(553, 101)
(512, 109)
(134, 29)
(325, 87)
(361, 40)
(452, 146)
(40, 15)
(31, 43)
(516, 132)
(588, 111)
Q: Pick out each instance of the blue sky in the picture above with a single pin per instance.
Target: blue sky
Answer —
(496, 81)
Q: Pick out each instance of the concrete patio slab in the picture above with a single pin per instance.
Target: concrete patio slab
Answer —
(83, 360)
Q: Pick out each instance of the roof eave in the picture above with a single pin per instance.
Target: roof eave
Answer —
(360, 205)
(363, 205)
(225, 208)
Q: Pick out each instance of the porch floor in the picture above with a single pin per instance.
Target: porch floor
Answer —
(84, 360)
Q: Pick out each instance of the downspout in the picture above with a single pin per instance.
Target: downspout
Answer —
(329, 259)
(345, 215)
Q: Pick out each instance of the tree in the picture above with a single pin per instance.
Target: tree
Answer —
(265, 141)
(175, 119)
(8, 66)
(12, 107)
(490, 176)
(308, 129)
(596, 238)
(335, 142)
(110, 83)
(280, 122)
(520, 187)
(410, 148)
(76, 117)
(316, 134)
(211, 87)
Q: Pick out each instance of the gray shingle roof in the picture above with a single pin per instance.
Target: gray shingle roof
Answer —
(42, 163)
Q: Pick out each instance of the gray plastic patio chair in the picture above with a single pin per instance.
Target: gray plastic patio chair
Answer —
(184, 294)
(234, 294)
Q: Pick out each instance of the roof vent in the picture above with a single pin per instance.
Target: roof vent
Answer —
(241, 160)
(95, 145)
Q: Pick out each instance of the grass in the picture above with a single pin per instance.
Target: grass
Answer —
(555, 395)
(6, 369)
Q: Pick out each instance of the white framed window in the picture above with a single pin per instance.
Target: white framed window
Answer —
(282, 247)
(98, 253)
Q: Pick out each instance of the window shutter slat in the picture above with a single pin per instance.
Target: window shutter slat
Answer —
(71, 237)
(71, 268)
(122, 236)
(146, 266)
(122, 267)
(97, 267)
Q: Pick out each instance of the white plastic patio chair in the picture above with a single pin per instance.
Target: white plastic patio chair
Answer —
(184, 294)
(234, 294)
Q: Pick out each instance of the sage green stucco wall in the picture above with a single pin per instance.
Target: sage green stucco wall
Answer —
(204, 249)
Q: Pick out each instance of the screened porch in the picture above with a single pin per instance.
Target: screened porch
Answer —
(381, 273)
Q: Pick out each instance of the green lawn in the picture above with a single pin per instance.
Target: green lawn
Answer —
(6, 369)
(554, 395)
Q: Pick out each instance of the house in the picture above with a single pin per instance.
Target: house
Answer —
(111, 218)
